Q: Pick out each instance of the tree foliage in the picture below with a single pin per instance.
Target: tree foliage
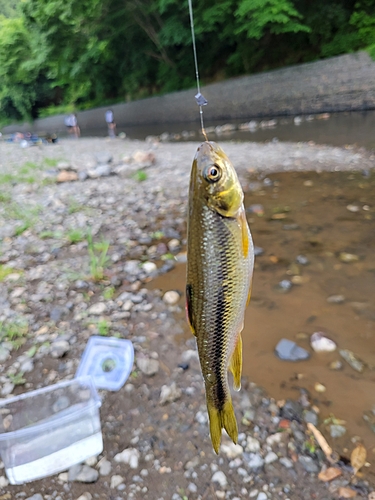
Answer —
(88, 52)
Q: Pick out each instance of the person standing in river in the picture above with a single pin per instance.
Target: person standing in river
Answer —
(109, 118)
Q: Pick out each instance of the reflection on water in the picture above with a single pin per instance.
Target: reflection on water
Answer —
(337, 129)
(321, 217)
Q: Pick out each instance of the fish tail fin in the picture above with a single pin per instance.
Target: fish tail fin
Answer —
(222, 419)
(235, 364)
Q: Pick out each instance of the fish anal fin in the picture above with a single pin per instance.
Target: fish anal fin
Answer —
(189, 308)
(235, 364)
(222, 419)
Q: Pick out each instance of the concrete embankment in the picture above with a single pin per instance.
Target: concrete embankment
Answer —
(344, 83)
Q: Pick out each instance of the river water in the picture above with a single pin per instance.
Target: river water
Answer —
(329, 220)
(337, 129)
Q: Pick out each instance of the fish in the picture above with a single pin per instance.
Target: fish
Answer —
(220, 262)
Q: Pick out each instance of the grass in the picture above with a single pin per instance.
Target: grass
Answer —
(14, 331)
(50, 162)
(103, 327)
(5, 271)
(44, 235)
(4, 197)
(76, 235)
(17, 378)
(140, 176)
(26, 214)
(98, 257)
(108, 293)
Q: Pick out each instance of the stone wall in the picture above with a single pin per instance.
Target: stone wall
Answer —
(344, 83)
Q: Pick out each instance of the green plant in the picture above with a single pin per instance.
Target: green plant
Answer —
(103, 327)
(4, 197)
(76, 235)
(140, 176)
(5, 271)
(26, 214)
(109, 292)
(50, 234)
(17, 378)
(51, 162)
(14, 331)
(98, 257)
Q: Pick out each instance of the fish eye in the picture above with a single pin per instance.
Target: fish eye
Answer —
(212, 173)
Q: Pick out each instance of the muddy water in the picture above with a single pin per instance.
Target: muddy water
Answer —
(307, 214)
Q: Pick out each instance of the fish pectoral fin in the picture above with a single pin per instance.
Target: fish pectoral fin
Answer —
(189, 308)
(222, 419)
(235, 364)
(245, 232)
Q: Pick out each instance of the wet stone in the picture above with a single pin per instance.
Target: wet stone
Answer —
(336, 430)
(292, 410)
(352, 360)
(310, 417)
(336, 299)
(287, 350)
(308, 464)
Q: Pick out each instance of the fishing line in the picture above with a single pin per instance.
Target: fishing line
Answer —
(201, 101)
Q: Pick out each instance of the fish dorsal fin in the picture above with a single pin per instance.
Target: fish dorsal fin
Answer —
(189, 308)
(235, 365)
(245, 232)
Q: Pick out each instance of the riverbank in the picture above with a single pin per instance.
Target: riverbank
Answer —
(343, 83)
(133, 196)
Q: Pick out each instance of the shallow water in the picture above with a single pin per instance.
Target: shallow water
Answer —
(306, 214)
(336, 129)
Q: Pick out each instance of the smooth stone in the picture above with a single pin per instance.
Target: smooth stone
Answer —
(286, 462)
(270, 457)
(128, 456)
(336, 299)
(310, 417)
(350, 358)
(220, 478)
(83, 474)
(258, 251)
(97, 309)
(308, 463)
(36, 496)
(302, 260)
(116, 480)
(105, 467)
(85, 496)
(170, 393)
(59, 348)
(171, 297)
(4, 354)
(337, 430)
(149, 267)
(288, 350)
(148, 366)
(335, 365)
(254, 461)
(320, 343)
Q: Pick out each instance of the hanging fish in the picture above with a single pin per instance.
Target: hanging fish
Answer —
(220, 261)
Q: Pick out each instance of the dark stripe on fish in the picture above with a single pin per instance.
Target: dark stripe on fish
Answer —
(220, 336)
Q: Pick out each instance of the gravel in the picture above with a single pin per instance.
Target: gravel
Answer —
(155, 429)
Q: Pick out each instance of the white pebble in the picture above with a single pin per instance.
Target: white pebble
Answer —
(171, 298)
(116, 480)
(220, 478)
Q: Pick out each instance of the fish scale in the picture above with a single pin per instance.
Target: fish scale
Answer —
(218, 281)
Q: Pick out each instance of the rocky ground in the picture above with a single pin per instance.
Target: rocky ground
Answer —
(85, 226)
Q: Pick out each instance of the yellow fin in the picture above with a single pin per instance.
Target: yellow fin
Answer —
(222, 419)
(249, 295)
(235, 365)
(245, 232)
